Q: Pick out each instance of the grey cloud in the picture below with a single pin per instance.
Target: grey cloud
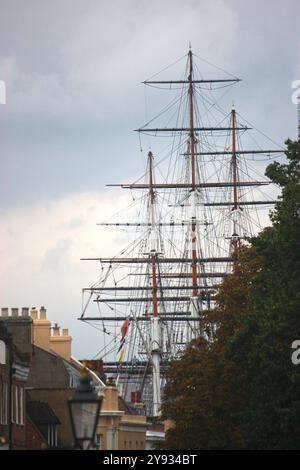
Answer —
(73, 70)
(57, 258)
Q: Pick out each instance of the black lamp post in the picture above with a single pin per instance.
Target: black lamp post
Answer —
(84, 410)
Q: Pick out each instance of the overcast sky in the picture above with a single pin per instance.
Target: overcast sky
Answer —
(73, 70)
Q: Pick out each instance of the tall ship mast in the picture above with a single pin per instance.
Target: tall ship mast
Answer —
(196, 203)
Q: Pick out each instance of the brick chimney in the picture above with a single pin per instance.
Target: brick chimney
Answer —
(61, 343)
(41, 328)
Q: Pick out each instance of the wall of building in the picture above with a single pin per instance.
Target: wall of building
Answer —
(4, 389)
(132, 436)
(34, 439)
(13, 376)
(17, 407)
(18, 414)
(47, 370)
(57, 398)
(117, 429)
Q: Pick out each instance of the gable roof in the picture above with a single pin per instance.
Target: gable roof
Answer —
(41, 413)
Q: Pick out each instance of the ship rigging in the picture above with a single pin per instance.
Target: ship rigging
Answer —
(184, 236)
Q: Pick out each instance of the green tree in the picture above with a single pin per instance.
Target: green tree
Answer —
(239, 388)
(271, 416)
(201, 398)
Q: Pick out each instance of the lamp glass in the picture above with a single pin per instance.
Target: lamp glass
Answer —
(84, 418)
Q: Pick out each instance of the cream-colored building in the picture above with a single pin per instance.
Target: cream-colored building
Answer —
(117, 428)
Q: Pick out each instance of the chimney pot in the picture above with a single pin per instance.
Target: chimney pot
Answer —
(34, 313)
(25, 311)
(4, 312)
(110, 382)
(43, 313)
(14, 312)
(56, 331)
(65, 332)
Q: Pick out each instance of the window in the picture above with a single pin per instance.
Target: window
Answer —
(13, 414)
(3, 403)
(2, 352)
(16, 404)
(21, 389)
(98, 441)
(52, 435)
(72, 381)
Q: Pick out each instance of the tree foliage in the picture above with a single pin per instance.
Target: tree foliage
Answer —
(237, 387)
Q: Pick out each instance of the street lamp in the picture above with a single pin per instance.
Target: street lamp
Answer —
(84, 410)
